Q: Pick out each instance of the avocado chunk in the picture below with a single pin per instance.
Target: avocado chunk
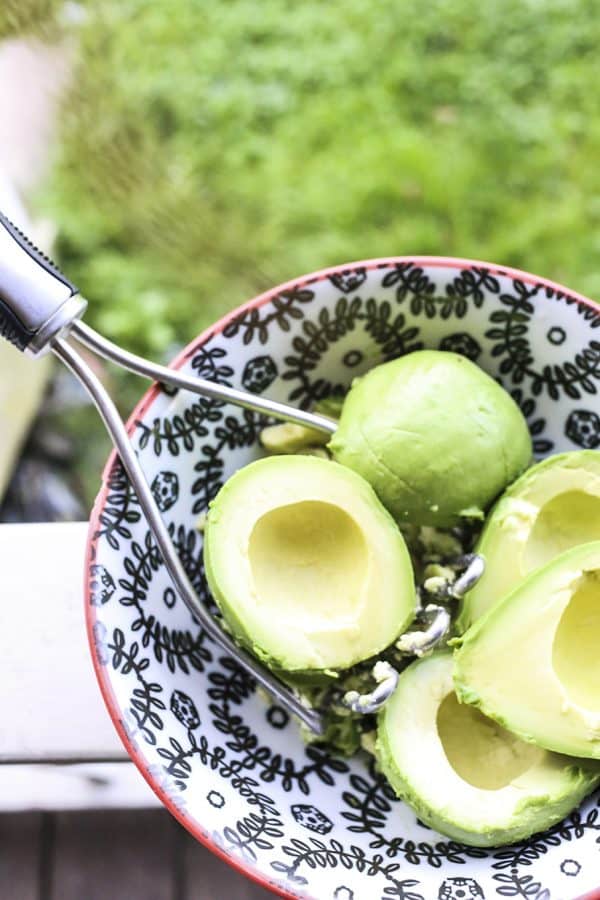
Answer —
(436, 437)
(291, 438)
(465, 775)
(308, 568)
(554, 506)
(532, 661)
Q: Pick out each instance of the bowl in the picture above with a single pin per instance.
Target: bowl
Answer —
(231, 767)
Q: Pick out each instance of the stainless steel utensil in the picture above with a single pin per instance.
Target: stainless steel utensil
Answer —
(39, 308)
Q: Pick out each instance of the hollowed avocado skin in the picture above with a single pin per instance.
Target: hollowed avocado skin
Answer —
(511, 663)
(287, 615)
(571, 479)
(441, 800)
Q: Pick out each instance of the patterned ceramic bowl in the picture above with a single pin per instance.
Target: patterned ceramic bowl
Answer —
(231, 768)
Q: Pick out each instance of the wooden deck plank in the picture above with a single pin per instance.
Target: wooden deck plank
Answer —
(206, 877)
(123, 855)
(20, 837)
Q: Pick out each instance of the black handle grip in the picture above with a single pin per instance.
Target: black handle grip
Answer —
(34, 293)
(12, 329)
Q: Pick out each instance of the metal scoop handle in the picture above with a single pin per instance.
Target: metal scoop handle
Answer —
(38, 307)
(37, 302)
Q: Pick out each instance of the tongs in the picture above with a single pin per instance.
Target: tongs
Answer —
(39, 308)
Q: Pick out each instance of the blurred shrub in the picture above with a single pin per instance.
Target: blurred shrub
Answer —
(19, 17)
(211, 150)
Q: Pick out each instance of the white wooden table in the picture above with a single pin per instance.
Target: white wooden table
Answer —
(51, 710)
(79, 822)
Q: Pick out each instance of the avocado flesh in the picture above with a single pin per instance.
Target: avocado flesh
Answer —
(290, 438)
(310, 571)
(532, 661)
(436, 437)
(554, 506)
(463, 774)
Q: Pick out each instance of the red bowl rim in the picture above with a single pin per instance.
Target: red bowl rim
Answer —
(141, 408)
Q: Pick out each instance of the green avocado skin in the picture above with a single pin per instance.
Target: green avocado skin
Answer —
(233, 622)
(436, 437)
(487, 636)
(560, 464)
(297, 678)
(529, 818)
(234, 625)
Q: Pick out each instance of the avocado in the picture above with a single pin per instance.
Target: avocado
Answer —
(554, 506)
(290, 438)
(436, 437)
(330, 406)
(463, 774)
(532, 661)
(310, 571)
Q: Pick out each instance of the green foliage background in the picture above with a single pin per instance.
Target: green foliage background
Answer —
(37, 17)
(211, 150)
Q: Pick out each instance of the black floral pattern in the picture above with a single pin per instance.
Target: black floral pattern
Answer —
(182, 649)
(463, 343)
(258, 374)
(211, 363)
(233, 433)
(119, 511)
(349, 280)
(282, 311)
(537, 425)
(583, 428)
(180, 432)
(311, 818)
(512, 345)
(387, 329)
(165, 488)
(460, 888)
(311, 823)
(102, 585)
(370, 804)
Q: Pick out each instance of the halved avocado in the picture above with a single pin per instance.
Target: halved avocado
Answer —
(554, 506)
(307, 567)
(465, 775)
(532, 662)
(435, 435)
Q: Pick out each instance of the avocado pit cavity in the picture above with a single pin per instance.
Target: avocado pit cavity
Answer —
(464, 774)
(532, 663)
(482, 752)
(551, 509)
(309, 569)
(309, 559)
(567, 520)
(575, 651)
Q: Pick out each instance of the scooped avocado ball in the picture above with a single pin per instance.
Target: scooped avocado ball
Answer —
(435, 436)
